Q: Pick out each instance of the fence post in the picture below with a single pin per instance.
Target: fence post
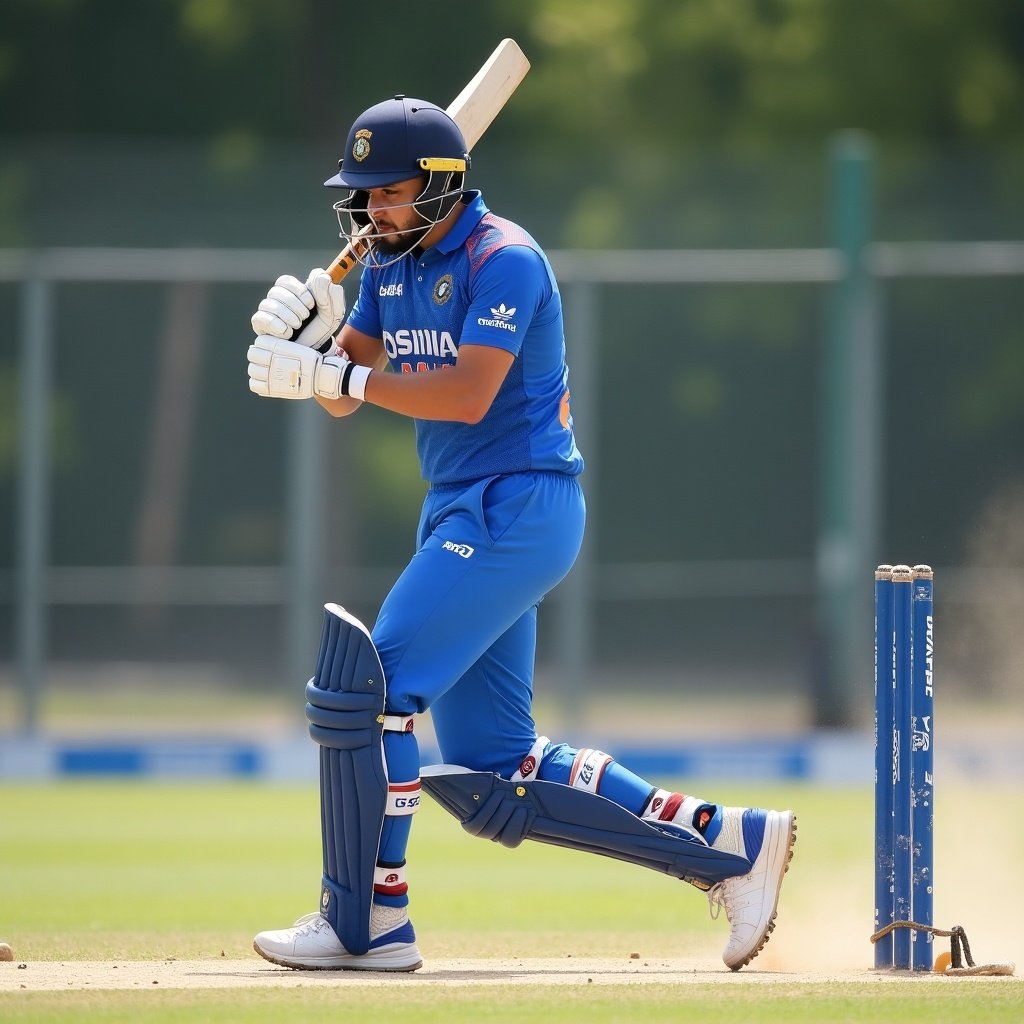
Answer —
(305, 517)
(850, 398)
(575, 606)
(32, 547)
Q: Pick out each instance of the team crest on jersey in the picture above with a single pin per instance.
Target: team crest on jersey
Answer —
(361, 146)
(443, 289)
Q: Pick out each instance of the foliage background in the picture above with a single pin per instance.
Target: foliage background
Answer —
(643, 124)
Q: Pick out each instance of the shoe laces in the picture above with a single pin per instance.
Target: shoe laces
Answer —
(728, 896)
(313, 921)
(719, 898)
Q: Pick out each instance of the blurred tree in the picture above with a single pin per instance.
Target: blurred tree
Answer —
(746, 73)
(741, 73)
(644, 123)
(714, 112)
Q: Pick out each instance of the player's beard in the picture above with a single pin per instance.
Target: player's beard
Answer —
(400, 242)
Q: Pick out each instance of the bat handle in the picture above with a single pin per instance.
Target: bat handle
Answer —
(347, 258)
(343, 265)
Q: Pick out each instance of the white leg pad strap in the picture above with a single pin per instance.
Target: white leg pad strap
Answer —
(390, 881)
(676, 808)
(403, 798)
(588, 768)
(530, 764)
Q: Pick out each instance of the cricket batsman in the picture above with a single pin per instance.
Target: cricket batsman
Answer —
(458, 326)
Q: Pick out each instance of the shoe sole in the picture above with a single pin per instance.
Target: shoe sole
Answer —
(785, 849)
(382, 964)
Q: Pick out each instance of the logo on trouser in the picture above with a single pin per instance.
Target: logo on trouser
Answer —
(325, 899)
(462, 550)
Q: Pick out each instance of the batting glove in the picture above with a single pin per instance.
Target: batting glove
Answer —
(286, 369)
(315, 310)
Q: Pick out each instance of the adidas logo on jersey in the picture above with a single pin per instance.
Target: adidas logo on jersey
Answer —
(500, 317)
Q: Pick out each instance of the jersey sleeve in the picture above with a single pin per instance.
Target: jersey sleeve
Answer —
(365, 314)
(506, 293)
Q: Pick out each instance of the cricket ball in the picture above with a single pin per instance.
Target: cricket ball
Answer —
(6, 954)
(942, 961)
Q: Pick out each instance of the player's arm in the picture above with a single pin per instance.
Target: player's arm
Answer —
(461, 393)
(507, 291)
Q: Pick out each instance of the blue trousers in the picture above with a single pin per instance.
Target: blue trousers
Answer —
(457, 634)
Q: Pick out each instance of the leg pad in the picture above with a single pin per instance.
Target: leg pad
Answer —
(345, 709)
(548, 812)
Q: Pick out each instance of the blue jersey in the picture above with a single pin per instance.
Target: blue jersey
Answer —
(487, 282)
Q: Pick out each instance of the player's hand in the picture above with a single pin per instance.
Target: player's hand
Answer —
(314, 309)
(330, 310)
(286, 369)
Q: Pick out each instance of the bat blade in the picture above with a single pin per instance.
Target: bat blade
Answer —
(472, 110)
(489, 90)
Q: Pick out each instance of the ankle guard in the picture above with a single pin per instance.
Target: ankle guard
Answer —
(548, 812)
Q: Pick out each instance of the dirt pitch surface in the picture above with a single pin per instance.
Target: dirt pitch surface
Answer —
(53, 976)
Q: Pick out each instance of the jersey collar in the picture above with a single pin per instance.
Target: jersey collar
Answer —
(475, 210)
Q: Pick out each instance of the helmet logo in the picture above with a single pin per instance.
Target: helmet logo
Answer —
(443, 289)
(361, 146)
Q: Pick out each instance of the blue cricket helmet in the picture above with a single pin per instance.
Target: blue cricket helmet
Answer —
(397, 140)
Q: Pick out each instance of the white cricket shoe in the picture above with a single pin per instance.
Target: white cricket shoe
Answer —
(765, 838)
(312, 944)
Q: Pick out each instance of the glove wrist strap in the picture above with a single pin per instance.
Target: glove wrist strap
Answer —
(353, 381)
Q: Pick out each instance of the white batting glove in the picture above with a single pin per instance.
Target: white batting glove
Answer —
(314, 309)
(286, 369)
(285, 309)
(330, 309)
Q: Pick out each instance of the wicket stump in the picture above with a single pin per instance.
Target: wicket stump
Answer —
(904, 783)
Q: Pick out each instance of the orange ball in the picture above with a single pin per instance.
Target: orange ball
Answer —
(942, 961)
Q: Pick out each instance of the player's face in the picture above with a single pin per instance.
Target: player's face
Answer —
(391, 209)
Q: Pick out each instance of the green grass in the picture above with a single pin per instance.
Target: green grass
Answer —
(707, 1004)
(115, 871)
(189, 870)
